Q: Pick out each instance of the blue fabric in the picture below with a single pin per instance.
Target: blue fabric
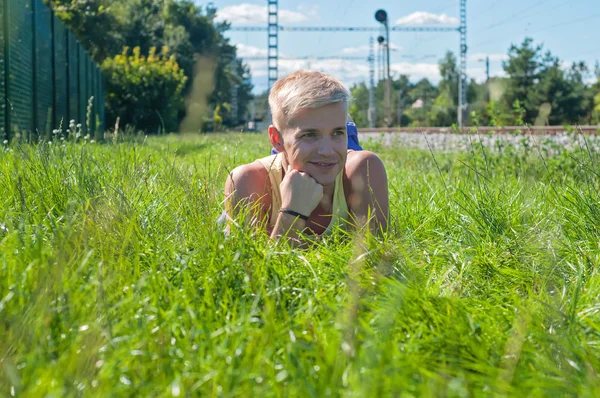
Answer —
(352, 139)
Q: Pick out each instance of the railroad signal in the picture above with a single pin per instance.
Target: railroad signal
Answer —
(381, 16)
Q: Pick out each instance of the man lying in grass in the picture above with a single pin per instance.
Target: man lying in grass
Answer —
(314, 182)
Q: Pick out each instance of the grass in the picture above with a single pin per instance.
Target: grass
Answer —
(115, 279)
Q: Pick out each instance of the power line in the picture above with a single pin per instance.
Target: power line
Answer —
(553, 26)
(487, 9)
(340, 57)
(346, 8)
(419, 39)
(512, 18)
(346, 28)
(517, 19)
(310, 57)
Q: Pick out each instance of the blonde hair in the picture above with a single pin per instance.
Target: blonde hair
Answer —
(304, 89)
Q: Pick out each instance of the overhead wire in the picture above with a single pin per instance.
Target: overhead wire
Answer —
(419, 36)
(346, 8)
(510, 19)
(553, 26)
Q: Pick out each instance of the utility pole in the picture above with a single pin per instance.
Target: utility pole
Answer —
(273, 39)
(380, 63)
(273, 47)
(487, 77)
(400, 108)
(234, 94)
(372, 116)
(488, 97)
(463, 106)
(382, 17)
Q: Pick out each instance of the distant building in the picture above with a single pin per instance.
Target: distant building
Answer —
(418, 104)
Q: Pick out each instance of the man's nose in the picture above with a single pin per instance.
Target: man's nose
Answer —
(325, 147)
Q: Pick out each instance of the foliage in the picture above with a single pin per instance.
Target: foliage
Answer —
(597, 96)
(93, 23)
(536, 80)
(360, 95)
(144, 91)
(547, 93)
(105, 27)
(116, 281)
(443, 111)
(217, 119)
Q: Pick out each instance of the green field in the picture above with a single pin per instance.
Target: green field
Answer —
(115, 279)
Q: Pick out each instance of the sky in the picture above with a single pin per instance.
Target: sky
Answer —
(569, 29)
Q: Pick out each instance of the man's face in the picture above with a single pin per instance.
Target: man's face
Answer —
(315, 142)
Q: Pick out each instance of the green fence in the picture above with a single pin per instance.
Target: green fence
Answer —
(46, 77)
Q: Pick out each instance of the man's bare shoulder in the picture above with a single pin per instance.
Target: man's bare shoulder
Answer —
(364, 163)
(254, 170)
(367, 193)
(248, 179)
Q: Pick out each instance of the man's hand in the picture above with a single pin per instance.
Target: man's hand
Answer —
(300, 192)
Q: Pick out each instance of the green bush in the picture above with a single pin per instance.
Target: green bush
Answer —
(145, 92)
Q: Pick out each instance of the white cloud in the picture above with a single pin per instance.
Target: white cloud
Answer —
(493, 57)
(349, 72)
(477, 73)
(244, 50)
(310, 10)
(245, 14)
(337, 67)
(356, 50)
(365, 49)
(427, 18)
(417, 71)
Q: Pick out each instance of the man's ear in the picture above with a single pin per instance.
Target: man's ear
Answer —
(276, 138)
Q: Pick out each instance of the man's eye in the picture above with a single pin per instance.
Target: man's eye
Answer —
(309, 135)
(339, 132)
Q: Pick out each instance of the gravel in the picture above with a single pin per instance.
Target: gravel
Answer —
(461, 142)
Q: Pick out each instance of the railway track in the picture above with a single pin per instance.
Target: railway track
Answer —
(535, 130)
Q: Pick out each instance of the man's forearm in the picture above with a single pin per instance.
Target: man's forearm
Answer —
(290, 227)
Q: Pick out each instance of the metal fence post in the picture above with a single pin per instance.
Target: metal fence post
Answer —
(6, 103)
(46, 76)
(3, 130)
(34, 61)
(53, 73)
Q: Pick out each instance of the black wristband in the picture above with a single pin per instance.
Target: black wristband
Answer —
(293, 213)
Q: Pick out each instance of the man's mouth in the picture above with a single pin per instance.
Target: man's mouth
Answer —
(324, 165)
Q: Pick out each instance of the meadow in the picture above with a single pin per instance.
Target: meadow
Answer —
(116, 280)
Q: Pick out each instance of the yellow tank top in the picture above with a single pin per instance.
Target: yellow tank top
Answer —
(274, 167)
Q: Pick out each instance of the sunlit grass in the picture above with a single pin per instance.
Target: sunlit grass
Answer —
(115, 278)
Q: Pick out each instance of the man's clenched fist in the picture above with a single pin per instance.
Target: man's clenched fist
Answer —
(300, 192)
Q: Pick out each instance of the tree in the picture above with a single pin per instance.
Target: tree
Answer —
(93, 23)
(582, 94)
(105, 27)
(595, 91)
(450, 76)
(359, 108)
(444, 109)
(144, 91)
(522, 68)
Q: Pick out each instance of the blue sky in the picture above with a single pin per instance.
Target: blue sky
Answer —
(570, 29)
